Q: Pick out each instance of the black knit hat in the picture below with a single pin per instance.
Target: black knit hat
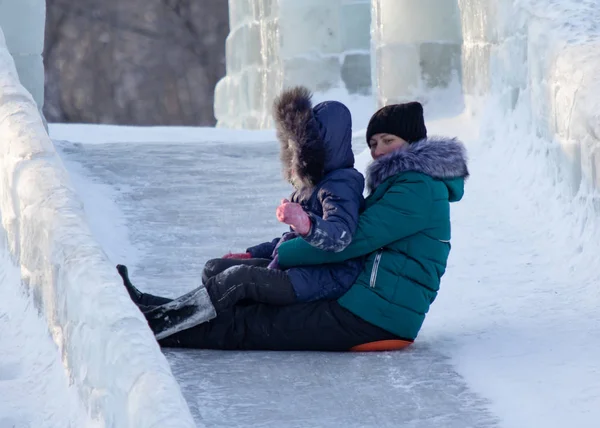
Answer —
(403, 120)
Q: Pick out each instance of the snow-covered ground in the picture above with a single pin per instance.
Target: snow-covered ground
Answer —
(513, 339)
(34, 389)
(519, 311)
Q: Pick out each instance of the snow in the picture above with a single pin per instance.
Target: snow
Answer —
(522, 277)
(106, 350)
(25, 41)
(30, 365)
(277, 43)
(103, 134)
(362, 107)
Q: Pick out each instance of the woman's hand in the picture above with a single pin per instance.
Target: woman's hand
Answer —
(293, 214)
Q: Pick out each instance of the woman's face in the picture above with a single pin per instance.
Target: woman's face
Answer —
(382, 144)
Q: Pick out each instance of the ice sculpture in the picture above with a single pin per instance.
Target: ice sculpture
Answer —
(416, 46)
(322, 44)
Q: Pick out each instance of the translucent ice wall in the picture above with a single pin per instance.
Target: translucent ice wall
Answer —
(322, 44)
(416, 47)
(110, 357)
(23, 23)
(540, 60)
(325, 41)
(253, 70)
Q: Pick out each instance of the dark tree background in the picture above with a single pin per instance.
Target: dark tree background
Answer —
(135, 62)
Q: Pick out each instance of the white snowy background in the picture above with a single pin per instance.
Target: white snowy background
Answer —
(512, 341)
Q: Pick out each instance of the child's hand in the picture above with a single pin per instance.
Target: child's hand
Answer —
(237, 256)
(293, 214)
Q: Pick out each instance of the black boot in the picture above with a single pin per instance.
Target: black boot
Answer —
(134, 293)
(139, 298)
(185, 312)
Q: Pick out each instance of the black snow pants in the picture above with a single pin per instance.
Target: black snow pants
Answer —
(233, 281)
(315, 326)
(254, 314)
(259, 323)
(230, 282)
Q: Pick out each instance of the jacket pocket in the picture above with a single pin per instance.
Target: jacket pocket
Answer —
(375, 268)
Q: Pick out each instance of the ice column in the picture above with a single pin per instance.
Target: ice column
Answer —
(23, 23)
(416, 47)
(494, 49)
(273, 44)
(253, 71)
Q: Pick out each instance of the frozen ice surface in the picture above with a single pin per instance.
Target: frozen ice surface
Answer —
(201, 201)
(184, 204)
(309, 26)
(34, 390)
(416, 46)
(409, 21)
(356, 31)
(417, 388)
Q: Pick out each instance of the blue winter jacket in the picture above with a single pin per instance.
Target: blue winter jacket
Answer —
(317, 146)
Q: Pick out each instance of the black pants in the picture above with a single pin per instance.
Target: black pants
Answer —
(244, 323)
(216, 266)
(250, 281)
(230, 282)
(315, 326)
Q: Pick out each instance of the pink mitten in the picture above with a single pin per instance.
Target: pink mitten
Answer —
(237, 256)
(293, 214)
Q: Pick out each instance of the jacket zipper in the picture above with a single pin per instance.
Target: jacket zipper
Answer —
(375, 268)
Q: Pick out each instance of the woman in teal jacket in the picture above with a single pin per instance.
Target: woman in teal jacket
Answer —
(403, 238)
(404, 232)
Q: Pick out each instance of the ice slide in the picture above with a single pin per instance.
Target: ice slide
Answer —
(497, 349)
(165, 208)
(512, 340)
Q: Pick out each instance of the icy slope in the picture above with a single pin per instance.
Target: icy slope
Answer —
(516, 317)
(166, 209)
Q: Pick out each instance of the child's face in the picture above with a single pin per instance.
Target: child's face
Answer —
(382, 144)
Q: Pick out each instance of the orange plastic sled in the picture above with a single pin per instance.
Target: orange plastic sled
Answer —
(382, 345)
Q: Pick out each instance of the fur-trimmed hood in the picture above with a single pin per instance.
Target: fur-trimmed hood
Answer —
(314, 141)
(439, 157)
